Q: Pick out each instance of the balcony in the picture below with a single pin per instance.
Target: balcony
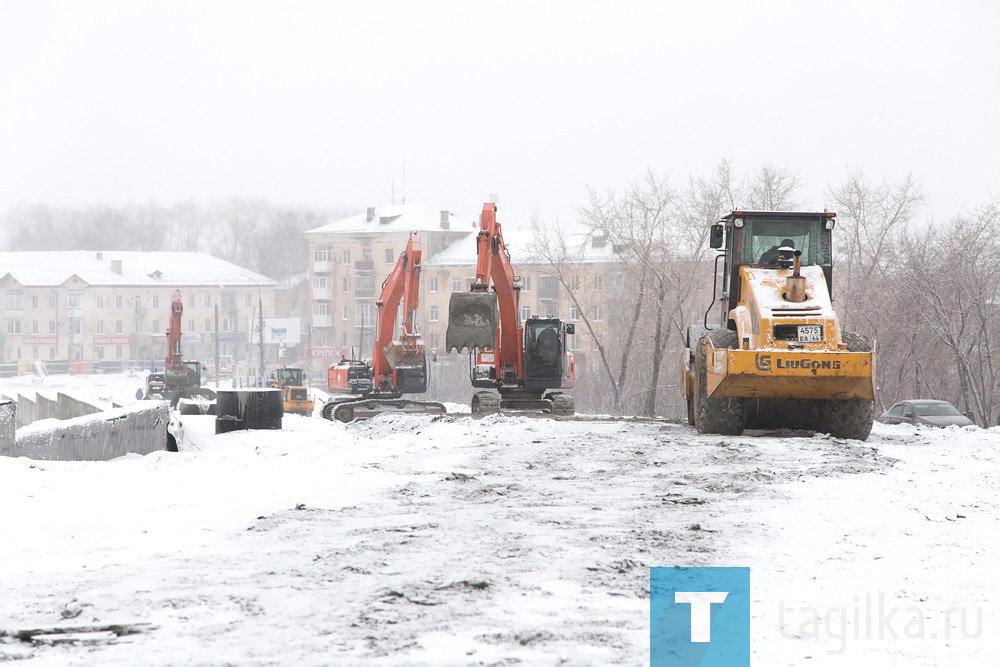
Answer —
(322, 294)
(322, 267)
(548, 293)
(364, 265)
(364, 293)
(321, 321)
(13, 313)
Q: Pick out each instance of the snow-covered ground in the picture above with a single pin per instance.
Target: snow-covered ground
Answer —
(413, 539)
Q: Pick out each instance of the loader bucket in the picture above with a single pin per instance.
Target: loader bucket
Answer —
(404, 355)
(472, 320)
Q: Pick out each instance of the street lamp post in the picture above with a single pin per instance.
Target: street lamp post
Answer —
(260, 328)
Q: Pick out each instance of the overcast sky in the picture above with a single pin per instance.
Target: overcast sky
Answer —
(322, 104)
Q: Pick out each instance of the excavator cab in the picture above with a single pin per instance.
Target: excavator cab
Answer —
(544, 344)
(413, 379)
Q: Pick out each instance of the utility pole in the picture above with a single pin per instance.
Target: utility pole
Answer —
(260, 335)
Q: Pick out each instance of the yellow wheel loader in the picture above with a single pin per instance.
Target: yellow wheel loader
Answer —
(776, 357)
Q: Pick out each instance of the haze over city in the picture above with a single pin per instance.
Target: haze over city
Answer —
(347, 105)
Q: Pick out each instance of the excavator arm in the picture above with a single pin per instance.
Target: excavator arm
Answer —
(473, 317)
(402, 284)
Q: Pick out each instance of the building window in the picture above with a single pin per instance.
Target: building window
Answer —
(551, 310)
(191, 325)
(100, 301)
(321, 309)
(433, 285)
(346, 256)
(34, 326)
(468, 282)
(597, 313)
(100, 351)
(12, 301)
(229, 300)
(456, 284)
(345, 285)
(343, 337)
(138, 303)
(119, 326)
(52, 326)
(434, 342)
(118, 351)
(52, 353)
(156, 301)
(34, 302)
(118, 301)
(208, 300)
(598, 283)
(321, 255)
(100, 326)
(572, 343)
(156, 327)
(208, 324)
(389, 259)
(52, 301)
(434, 314)
(34, 351)
(345, 313)
(249, 300)
(227, 324)
(13, 326)
(574, 283)
(525, 313)
(574, 313)
(363, 315)
(618, 280)
(366, 254)
(319, 282)
(526, 284)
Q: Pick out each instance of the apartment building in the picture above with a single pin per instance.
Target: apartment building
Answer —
(113, 308)
(351, 258)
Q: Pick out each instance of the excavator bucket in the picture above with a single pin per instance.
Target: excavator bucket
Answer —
(403, 355)
(472, 320)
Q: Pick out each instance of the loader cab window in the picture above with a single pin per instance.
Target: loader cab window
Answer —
(762, 237)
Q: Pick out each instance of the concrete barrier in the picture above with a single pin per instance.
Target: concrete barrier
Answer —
(137, 429)
(8, 422)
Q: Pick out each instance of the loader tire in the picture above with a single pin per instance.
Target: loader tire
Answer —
(851, 419)
(725, 416)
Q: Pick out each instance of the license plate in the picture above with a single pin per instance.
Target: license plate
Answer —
(811, 333)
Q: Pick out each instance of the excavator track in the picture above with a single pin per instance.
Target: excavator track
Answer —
(366, 408)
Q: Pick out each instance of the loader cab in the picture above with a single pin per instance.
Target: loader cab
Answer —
(544, 352)
(752, 238)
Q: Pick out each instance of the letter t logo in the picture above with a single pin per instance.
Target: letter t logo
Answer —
(701, 611)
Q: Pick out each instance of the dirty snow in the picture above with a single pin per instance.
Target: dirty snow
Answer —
(414, 539)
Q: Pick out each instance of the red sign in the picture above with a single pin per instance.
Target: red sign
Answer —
(39, 340)
(329, 352)
(110, 340)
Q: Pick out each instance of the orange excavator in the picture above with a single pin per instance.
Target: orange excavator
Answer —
(399, 364)
(517, 367)
(180, 378)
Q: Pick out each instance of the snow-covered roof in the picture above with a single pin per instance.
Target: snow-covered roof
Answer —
(523, 247)
(395, 218)
(50, 269)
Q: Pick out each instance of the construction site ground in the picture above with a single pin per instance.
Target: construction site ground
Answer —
(448, 540)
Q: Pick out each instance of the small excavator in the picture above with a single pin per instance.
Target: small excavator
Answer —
(515, 367)
(180, 378)
(398, 366)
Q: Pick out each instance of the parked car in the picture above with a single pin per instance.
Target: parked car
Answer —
(926, 412)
